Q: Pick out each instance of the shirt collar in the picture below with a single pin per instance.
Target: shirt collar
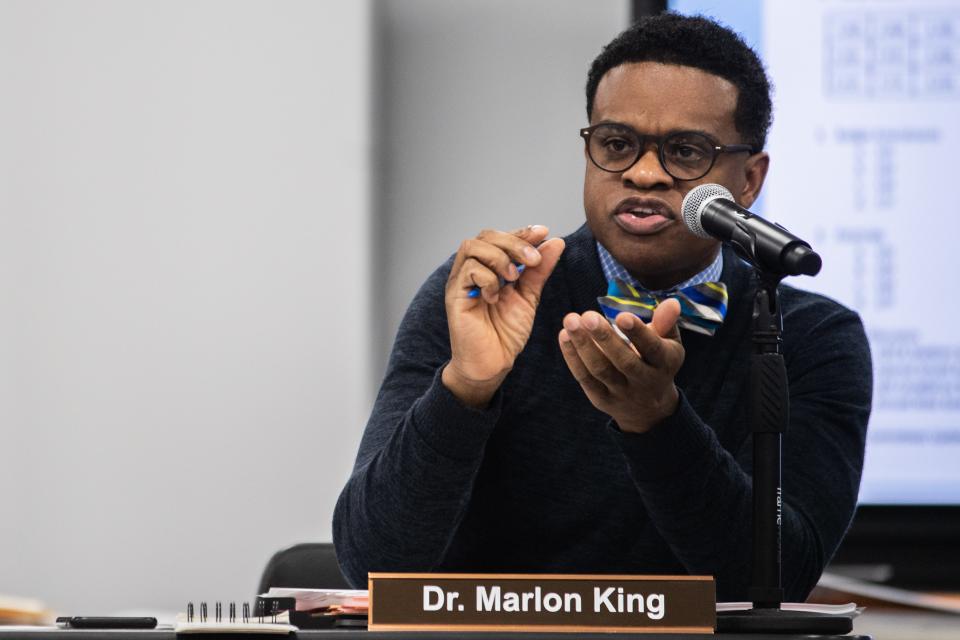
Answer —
(613, 270)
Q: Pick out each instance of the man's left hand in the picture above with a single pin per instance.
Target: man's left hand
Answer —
(632, 383)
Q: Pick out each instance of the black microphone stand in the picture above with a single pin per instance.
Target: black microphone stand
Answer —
(769, 415)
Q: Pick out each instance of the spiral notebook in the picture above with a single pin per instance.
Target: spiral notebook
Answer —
(200, 620)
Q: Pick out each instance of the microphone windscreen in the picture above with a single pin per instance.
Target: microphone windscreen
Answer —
(695, 201)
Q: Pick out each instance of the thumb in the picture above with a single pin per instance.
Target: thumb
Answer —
(532, 280)
(532, 233)
(665, 319)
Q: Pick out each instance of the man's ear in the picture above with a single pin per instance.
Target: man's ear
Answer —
(755, 171)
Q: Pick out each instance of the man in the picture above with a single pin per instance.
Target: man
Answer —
(516, 432)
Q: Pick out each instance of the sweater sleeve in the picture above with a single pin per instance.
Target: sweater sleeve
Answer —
(419, 455)
(699, 495)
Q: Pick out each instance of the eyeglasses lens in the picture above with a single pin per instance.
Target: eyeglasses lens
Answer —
(686, 156)
(614, 148)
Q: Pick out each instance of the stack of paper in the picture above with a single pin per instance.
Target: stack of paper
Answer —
(847, 609)
(328, 602)
(14, 610)
(885, 595)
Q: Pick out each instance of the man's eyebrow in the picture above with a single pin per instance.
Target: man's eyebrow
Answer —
(707, 134)
(616, 123)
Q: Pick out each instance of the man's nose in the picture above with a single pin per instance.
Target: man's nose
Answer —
(647, 172)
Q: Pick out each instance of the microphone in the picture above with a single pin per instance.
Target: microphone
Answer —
(709, 211)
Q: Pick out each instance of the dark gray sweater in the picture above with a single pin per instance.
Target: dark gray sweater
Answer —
(542, 481)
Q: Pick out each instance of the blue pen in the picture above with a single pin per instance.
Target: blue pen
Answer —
(475, 290)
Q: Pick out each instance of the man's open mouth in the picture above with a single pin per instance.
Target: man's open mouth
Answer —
(643, 216)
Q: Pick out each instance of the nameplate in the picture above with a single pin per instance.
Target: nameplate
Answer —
(548, 602)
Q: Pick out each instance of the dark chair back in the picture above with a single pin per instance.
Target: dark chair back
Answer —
(310, 565)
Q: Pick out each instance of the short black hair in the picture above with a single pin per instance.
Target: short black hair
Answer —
(702, 43)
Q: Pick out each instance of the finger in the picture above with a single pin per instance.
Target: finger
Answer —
(653, 348)
(665, 318)
(530, 285)
(594, 359)
(621, 354)
(521, 248)
(528, 236)
(532, 233)
(590, 385)
(475, 273)
(493, 257)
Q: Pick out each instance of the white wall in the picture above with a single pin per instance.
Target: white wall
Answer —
(480, 103)
(187, 247)
(184, 259)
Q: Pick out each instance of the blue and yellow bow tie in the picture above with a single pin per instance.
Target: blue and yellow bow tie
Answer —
(702, 306)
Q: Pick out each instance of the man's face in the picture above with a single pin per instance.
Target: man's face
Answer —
(656, 99)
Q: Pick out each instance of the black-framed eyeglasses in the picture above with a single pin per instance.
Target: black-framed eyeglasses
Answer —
(685, 155)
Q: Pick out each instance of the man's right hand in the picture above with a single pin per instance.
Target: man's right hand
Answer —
(489, 331)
